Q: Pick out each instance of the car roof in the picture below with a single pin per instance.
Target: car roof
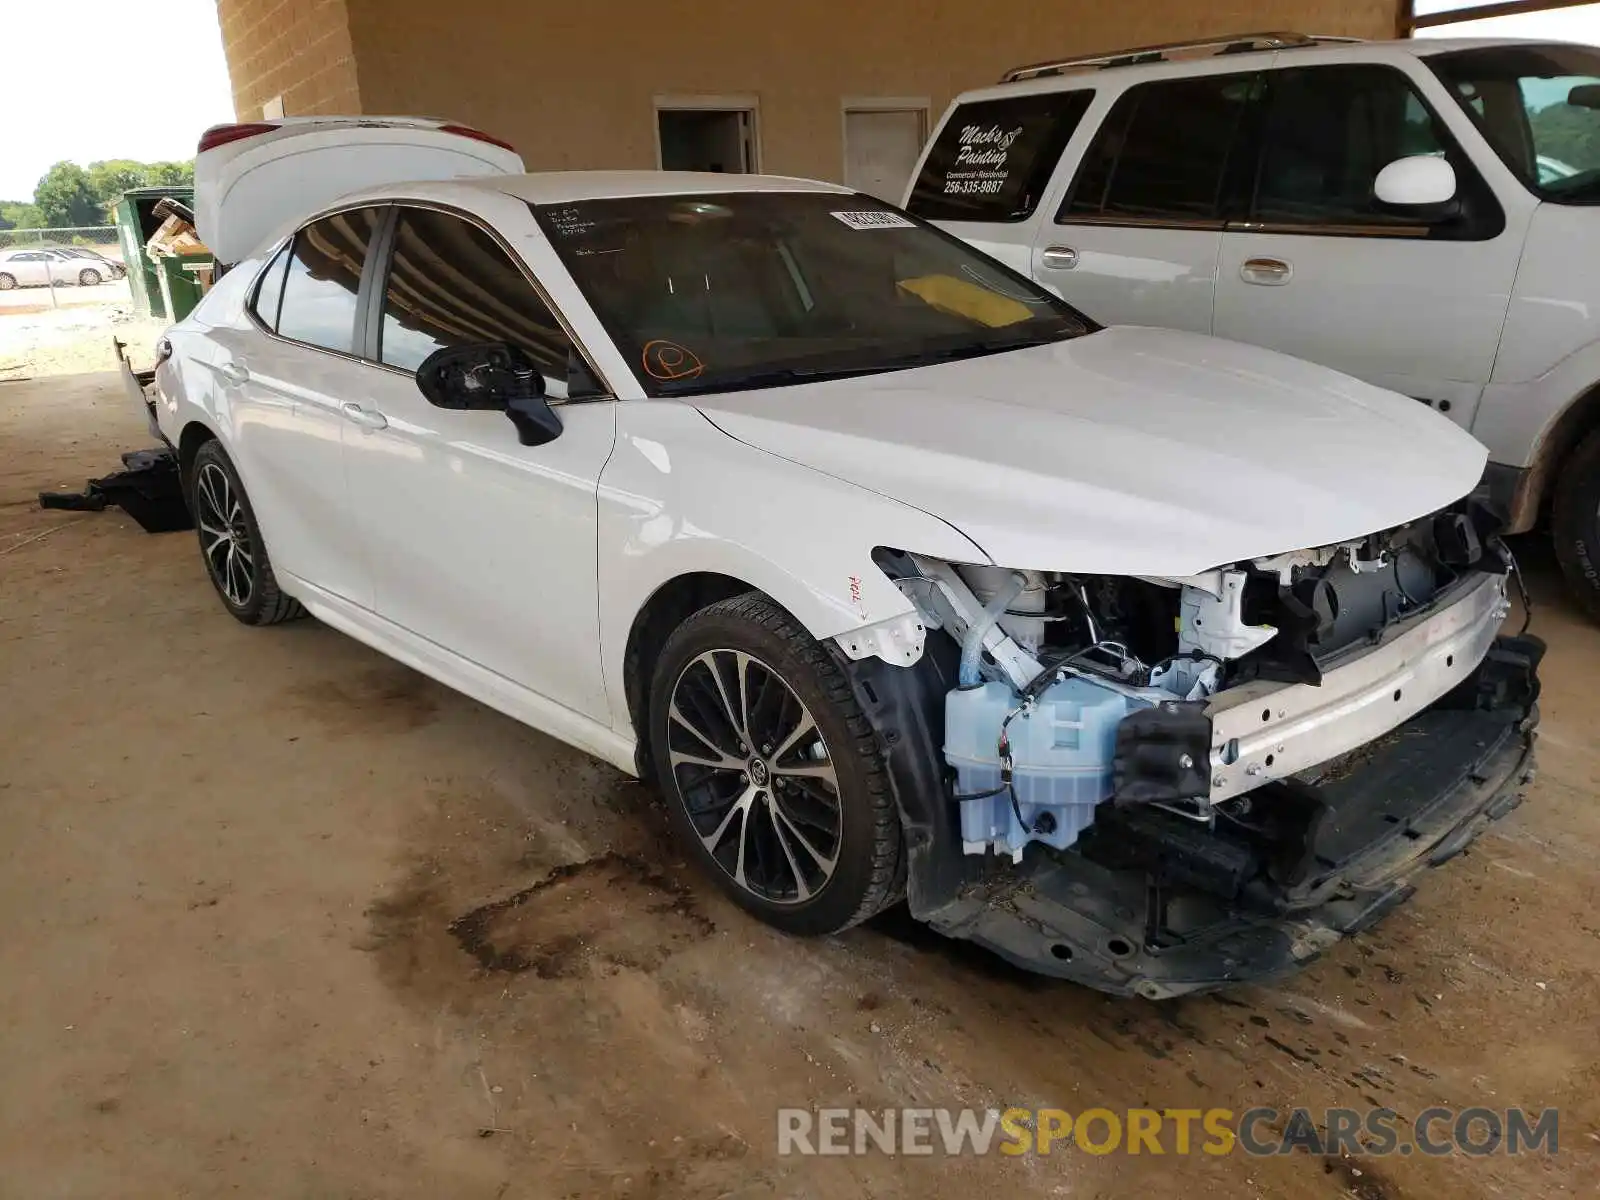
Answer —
(1073, 77)
(565, 187)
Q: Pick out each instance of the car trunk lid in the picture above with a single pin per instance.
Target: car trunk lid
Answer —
(252, 179)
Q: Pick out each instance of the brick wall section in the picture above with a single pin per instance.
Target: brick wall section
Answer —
(572, 85)
(297, 49)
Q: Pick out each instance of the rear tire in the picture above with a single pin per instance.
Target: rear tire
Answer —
(1575, 523)
(230, 542)
(771, 772)
(7, 282)
(89, 277)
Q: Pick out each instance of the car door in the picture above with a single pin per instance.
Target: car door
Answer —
(290, 381)
(57, 268)
(28, 268)
(479, 544)
(1138, 234)
(1414, 302)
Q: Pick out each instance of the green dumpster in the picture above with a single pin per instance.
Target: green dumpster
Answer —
(168, 288)
(178, 283)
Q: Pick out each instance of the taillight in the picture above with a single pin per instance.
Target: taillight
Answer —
(221, 135)
(476, 135)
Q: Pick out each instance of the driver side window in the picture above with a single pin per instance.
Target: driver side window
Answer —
(451, 284)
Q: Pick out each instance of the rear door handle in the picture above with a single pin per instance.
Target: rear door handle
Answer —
(369, 419)
(1059, 258)
(234, 373)
(1268, 272)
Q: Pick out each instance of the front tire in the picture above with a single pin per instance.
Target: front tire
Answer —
(230, 542)
(7, 282)
(88, 277)
(771, 772)
(1575, 523)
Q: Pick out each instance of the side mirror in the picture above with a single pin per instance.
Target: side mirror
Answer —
(1422, 185)
(1584, 95)
(491, 375)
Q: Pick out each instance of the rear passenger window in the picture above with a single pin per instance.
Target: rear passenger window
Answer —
(994, 158)
(1164, 152)
(451, 284)
(323, 277)
(269, 289)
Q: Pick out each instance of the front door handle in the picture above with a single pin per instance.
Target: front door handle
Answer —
(1268, 272)
(369, 419)
(1059, 258)
(234, 373)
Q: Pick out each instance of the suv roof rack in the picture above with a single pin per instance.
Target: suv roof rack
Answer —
(1234, 43)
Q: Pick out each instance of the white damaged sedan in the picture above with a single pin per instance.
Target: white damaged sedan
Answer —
(1147, 660)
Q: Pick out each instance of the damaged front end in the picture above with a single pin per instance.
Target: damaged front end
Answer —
(1157, 786)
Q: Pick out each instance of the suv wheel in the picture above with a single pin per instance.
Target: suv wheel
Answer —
(230, 542)
(771, 772)
(1575, 523)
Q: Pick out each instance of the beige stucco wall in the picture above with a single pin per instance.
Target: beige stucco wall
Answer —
(572, 85)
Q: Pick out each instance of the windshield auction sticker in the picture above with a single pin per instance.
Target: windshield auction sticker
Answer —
(876, 219)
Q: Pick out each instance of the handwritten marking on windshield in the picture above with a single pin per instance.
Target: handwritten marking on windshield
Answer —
(667, 360)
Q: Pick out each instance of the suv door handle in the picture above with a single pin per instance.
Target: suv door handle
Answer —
(234, 373)
(369, 419)
(1268, 272)
(1059, 258)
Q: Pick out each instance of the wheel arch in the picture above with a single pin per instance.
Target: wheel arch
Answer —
(667, 607)
(194, 435)
(1534, 495)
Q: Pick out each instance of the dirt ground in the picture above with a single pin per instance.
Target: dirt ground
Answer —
(283, 918)
(37, 299)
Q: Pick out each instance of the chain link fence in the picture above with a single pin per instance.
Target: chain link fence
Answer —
(102, 238)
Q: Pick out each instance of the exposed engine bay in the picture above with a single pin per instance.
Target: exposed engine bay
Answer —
(1145, 763)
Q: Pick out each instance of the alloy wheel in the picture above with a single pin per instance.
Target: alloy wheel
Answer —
(224, 536)
(754, 775)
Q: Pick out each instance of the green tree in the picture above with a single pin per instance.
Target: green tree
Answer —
(170, 174)
(65, 197)
(18, 214)
(110, 178)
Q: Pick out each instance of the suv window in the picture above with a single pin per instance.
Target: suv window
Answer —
(1539, 107)
(1330, 130)
(451, 284)
(994, 158)
(323, 277)
(1164, 152)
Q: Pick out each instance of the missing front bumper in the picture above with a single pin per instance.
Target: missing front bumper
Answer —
(1162, 910)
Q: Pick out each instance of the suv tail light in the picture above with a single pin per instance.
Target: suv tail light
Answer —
(476, 135)
(221, 135)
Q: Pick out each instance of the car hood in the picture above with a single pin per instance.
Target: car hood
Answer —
(1129, 451)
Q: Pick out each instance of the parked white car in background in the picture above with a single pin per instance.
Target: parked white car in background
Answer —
(1421, 214)
(25, 267)
(898, 576)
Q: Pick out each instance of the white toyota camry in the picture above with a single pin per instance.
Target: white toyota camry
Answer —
(1145, 659)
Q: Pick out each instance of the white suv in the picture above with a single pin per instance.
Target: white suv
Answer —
(1416, 213)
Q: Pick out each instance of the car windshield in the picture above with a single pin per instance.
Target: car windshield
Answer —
(1539, 107)
(737, 290)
